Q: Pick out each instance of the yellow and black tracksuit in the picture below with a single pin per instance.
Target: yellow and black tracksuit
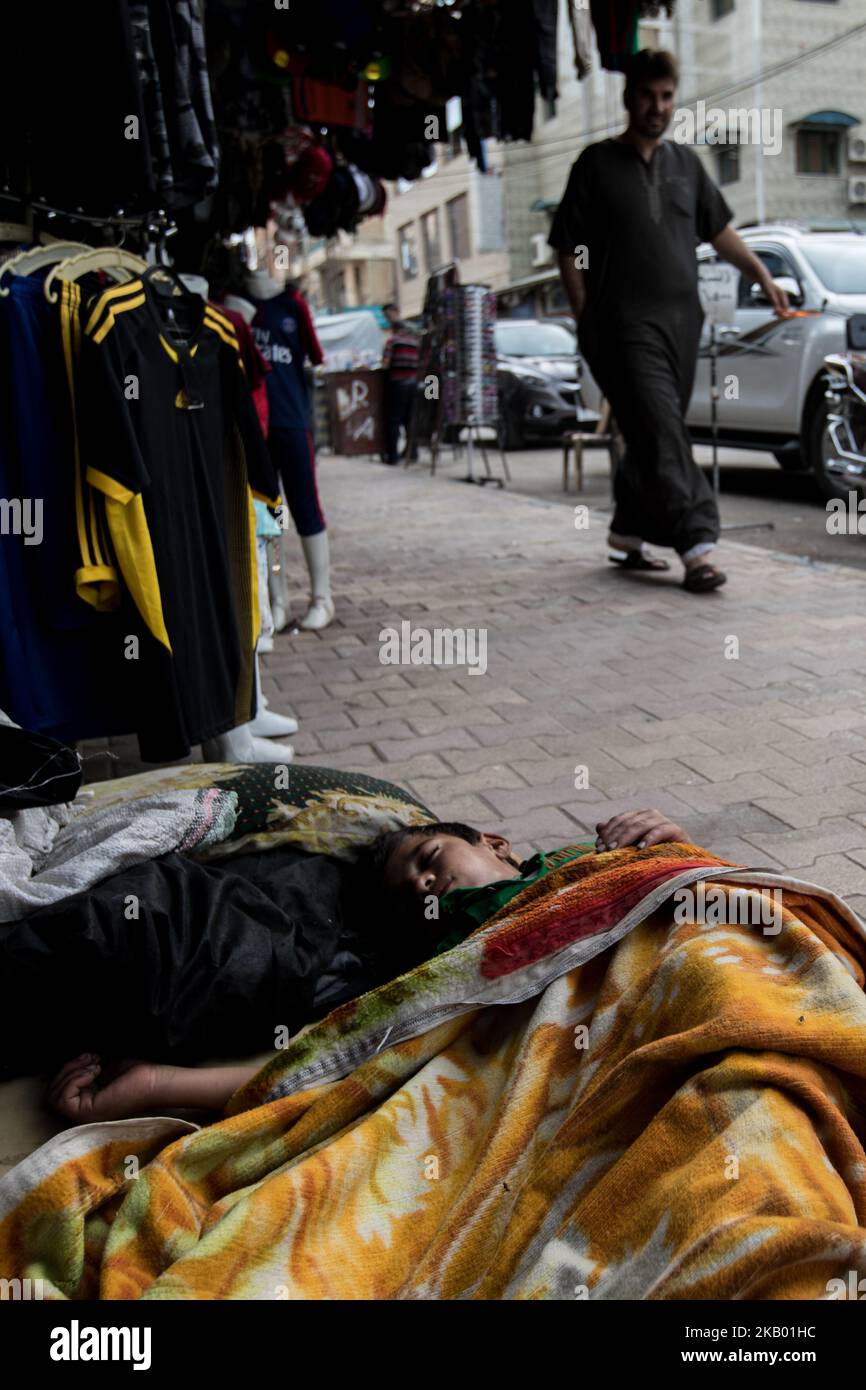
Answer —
(169, 457)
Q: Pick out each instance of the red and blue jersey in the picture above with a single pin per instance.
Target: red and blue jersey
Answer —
(285, 336)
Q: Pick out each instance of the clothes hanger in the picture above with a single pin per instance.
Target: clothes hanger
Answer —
(166, 274)
(108, 258)
(25, 262)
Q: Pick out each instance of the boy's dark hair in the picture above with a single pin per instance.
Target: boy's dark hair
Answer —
(375, 857)
(650, 65)
(396, 934)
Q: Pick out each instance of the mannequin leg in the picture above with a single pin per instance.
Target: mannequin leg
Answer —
(267, 723)
(266, 636)
(278, 589)
(317, 555)
(294, 456)
(240, 746)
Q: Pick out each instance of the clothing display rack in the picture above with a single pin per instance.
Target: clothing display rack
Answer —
(156, 226)
(458, 349)
(127, 412)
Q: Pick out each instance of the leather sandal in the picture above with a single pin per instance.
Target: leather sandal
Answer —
(635, 560)
(703, 578)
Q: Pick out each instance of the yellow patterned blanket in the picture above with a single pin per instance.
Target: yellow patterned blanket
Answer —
(639, 1080)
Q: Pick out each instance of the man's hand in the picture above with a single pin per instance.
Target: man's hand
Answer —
(733, 249)
(776, 295)
(641, 828)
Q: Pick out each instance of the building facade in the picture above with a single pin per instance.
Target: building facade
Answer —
(772, 93)
(455, 213)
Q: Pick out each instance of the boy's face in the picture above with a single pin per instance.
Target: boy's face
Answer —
(425, 865)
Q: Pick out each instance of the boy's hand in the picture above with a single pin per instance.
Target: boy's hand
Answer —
(83, 1090)
(641, 828)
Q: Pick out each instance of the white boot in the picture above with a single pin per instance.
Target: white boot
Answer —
(239, 746)
(268, 724)
(318, 558)
(278, 588)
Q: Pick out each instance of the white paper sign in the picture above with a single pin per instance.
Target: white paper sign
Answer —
(718, 284)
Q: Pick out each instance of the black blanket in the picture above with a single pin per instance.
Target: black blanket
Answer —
(175, 960)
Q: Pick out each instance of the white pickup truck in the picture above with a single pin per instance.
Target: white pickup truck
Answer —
(770, 371)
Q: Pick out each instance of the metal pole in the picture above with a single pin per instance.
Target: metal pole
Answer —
(714, 409)
(714, 418)
(756, 46)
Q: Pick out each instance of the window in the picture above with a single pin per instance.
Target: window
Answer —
(728, 162)
(818, 151)
(515, 339)
(408, 254)
(432, 244)
(840, 266)
(719, 8)
(458, 227)
(777, 265)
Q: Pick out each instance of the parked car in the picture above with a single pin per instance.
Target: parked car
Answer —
(538, 381)
(776, 400)
(845, 377)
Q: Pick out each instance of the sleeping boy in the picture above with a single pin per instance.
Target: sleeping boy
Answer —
(467, 873)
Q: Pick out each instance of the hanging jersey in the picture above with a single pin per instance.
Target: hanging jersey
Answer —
(285, 336)
(169, 436)
(61, 670)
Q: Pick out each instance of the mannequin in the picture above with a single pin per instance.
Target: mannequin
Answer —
(241, 746)
(260, 284)
(241, 306)
(285, 336)
(196, 284)
(267, 723)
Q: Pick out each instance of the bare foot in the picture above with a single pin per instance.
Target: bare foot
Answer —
(83, 1090)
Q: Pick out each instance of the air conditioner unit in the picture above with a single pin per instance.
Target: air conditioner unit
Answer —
(856, 147)
(857, 190)
(541, 253)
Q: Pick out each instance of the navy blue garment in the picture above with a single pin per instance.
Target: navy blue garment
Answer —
(285, 336)
(62, 666)
(295, 461)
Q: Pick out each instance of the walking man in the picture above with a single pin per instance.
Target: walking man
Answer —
(634, 209)
(400, 364)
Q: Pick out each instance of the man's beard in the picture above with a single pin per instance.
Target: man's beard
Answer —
(654, 126)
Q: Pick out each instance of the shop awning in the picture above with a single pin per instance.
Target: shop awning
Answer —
(838, 120)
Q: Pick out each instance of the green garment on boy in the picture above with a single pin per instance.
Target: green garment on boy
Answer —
(472, 906)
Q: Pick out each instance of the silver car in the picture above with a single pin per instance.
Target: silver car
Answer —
(770, 372)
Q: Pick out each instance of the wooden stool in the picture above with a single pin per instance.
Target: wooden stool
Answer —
(602, 437)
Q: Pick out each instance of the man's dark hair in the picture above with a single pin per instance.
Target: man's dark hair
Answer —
(390, 305)
(650, 65)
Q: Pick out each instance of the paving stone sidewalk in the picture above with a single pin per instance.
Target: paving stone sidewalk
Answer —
(741, 713)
